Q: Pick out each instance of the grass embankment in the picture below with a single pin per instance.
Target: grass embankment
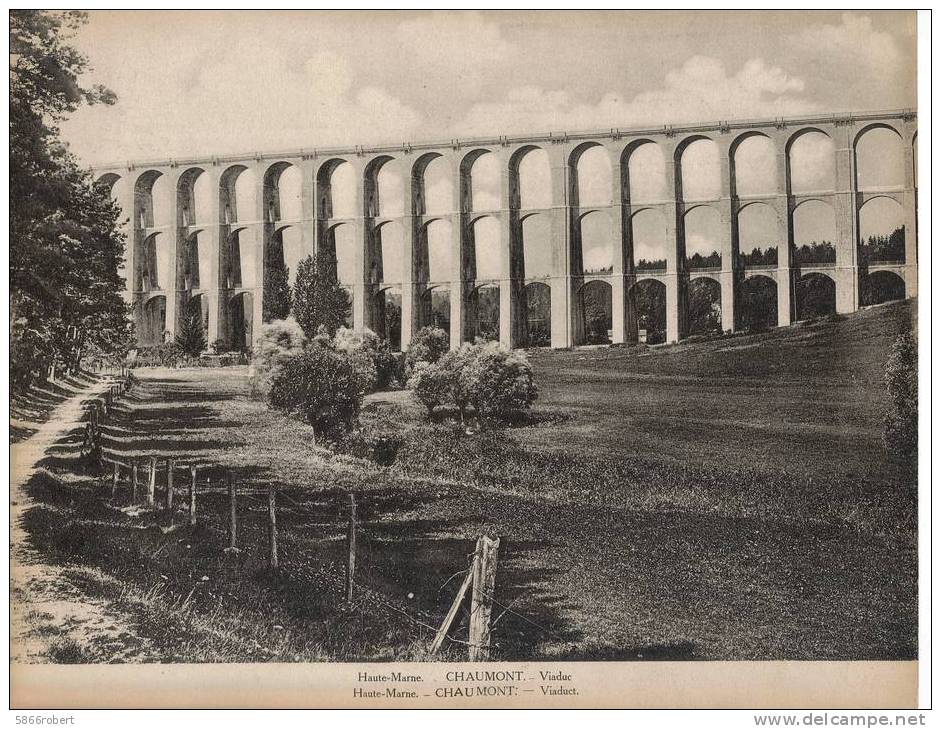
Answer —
(728, 499)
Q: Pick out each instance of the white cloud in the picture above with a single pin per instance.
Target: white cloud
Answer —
(701, 89)
(854, 66)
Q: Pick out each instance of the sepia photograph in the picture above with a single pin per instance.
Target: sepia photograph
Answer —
(463, 358)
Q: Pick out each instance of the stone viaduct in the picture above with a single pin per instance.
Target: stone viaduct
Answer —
(258, 227)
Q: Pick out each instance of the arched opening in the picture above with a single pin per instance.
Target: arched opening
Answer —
(239, 263)
(754, 166)
(153, 321)
(700, 175)
(240, 322)
(187, 213)
(758, 236)
(485, 263)
(880, 160)
(194, 271)
(595, 243)
(704, 307)
(389, 316)
(592, 176)
(434, 254)
(537, 246)
(650, 302)
(538, 314)
(336, 204)
(530, 180)
(387, 267)
(816, 296)
(814, 226)
(810, 161)
(881, 232)
(281, 209)
(649, 237)
(437, 187)
(702, 236)
(483, 312)
(435, 308)
(646, 173)
(276, 300)
(758, 304)
(482, 173)
(154, 264)
(594, 304)
(883, 286)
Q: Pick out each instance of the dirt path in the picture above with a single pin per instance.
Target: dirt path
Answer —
(52, 619)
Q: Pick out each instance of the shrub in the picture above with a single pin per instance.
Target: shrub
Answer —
(360, 349)
(431, 384)
(323, 387)
(499, 381)
(496, 381)
(280, 341)
(428, 345)
(901, 379)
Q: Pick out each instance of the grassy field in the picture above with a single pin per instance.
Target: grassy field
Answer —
(724, 499)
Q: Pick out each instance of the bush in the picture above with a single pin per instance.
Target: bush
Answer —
(499, 381)
(428, 345)
(280, 341)
(431, 385)
(901, 380)
(360, 349)
(321, 385)
(495, 381)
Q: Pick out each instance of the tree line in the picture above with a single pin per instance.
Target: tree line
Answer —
(66, 247)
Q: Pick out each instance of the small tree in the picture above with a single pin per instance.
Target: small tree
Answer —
(428, 345)
(191, 339)
(318, 299)
(276, 301)
(901, 380)
(431, 384)
(323, 387)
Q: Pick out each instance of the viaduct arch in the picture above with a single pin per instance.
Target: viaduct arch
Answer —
(232, 241)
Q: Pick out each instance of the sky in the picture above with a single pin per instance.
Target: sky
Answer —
(204, 83)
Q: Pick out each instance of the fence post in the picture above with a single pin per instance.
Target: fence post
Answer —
(152, 482)
(351, 543)
(272, 529)
(232, 511)
(484, 576)
(114, 482)
(134, 469)
(169, 501)
(193, 495)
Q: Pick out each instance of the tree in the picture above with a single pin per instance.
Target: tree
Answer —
(319, 300)
(276, 301)
(191, 339)
(65, 244)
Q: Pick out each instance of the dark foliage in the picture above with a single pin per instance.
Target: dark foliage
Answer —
(65, 246)
(318, 299)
